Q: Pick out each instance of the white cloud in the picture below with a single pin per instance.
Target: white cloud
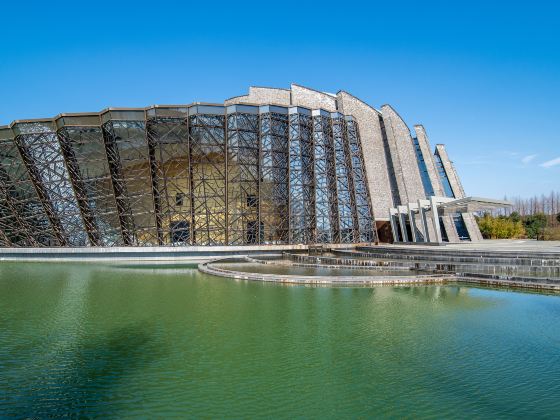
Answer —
(550, 163)
(528, 159)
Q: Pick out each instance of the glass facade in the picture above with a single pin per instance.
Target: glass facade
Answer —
(243, 175)
(168, 138)
(184, 175)
(443, 177)
(24, 219)
(302, 185)
(274, 175)
(428, 188)
(461, 228)
(361, 190)
(326, 203)
(42, 155)
(130, 162)
(208, 174)
(347, 214)
(84, 152)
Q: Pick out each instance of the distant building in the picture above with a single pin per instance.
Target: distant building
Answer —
(275, 166)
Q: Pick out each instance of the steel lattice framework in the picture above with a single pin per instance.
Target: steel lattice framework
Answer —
(24, 220)
(302, 182)
(347, 214)
(168, 139)
(84, 151)
(129, 159)
(42, 155)
(208, 175)
(361, 190)
(184, 175)
(274, 174)
(326, 201)
(243, 151)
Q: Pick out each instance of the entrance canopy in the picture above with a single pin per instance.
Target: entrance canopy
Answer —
(471, 204)
(449, 218)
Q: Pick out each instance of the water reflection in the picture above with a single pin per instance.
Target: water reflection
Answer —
(104, 341)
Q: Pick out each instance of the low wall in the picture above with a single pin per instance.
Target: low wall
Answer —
(156, 253)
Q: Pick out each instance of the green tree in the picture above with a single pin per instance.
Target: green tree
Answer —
(515, 217)
(534, 225)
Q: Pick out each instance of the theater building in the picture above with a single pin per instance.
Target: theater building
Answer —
(273, 167)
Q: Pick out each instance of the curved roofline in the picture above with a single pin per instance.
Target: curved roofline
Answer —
(360, 100)
(145, 109)
(234, 97)
(314, 90)
(398, 115)
(269, 87)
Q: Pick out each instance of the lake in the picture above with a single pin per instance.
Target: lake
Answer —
(149, 340)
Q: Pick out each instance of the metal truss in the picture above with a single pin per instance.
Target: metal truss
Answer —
(361, 190)
(23, 221)
(9, 225)
(129, 162)
(86, 159)
(208, 178)
(41, 153)
(168, 139)
(326, 203)
(302, 179)
(347, 215)
(274, 186)
(198, 175)
(244, 226)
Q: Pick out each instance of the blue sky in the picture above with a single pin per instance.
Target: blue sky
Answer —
(483, 77)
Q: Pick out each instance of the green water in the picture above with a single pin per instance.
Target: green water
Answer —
(98, 341)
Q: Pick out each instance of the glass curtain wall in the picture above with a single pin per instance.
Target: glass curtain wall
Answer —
(326, 204)
(208, 174)
(192, 175)
(83, 148)
(361, 190)
(24, 220)
(443, 177)
(243, 222)
(129, 160)
(168, 139)
(302, 189)
(428, 188)
(40, 149)
(344, 183)
(274, 186)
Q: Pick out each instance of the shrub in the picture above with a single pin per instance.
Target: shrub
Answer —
(501, 227)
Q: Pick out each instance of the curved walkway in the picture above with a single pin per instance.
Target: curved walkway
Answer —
(210, 268)
(434, 277)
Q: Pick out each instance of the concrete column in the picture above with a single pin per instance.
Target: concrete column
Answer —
(422, 213)
(392, 213)
(472, 227)
(402, 220)
(412, 224)
(435, 219)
